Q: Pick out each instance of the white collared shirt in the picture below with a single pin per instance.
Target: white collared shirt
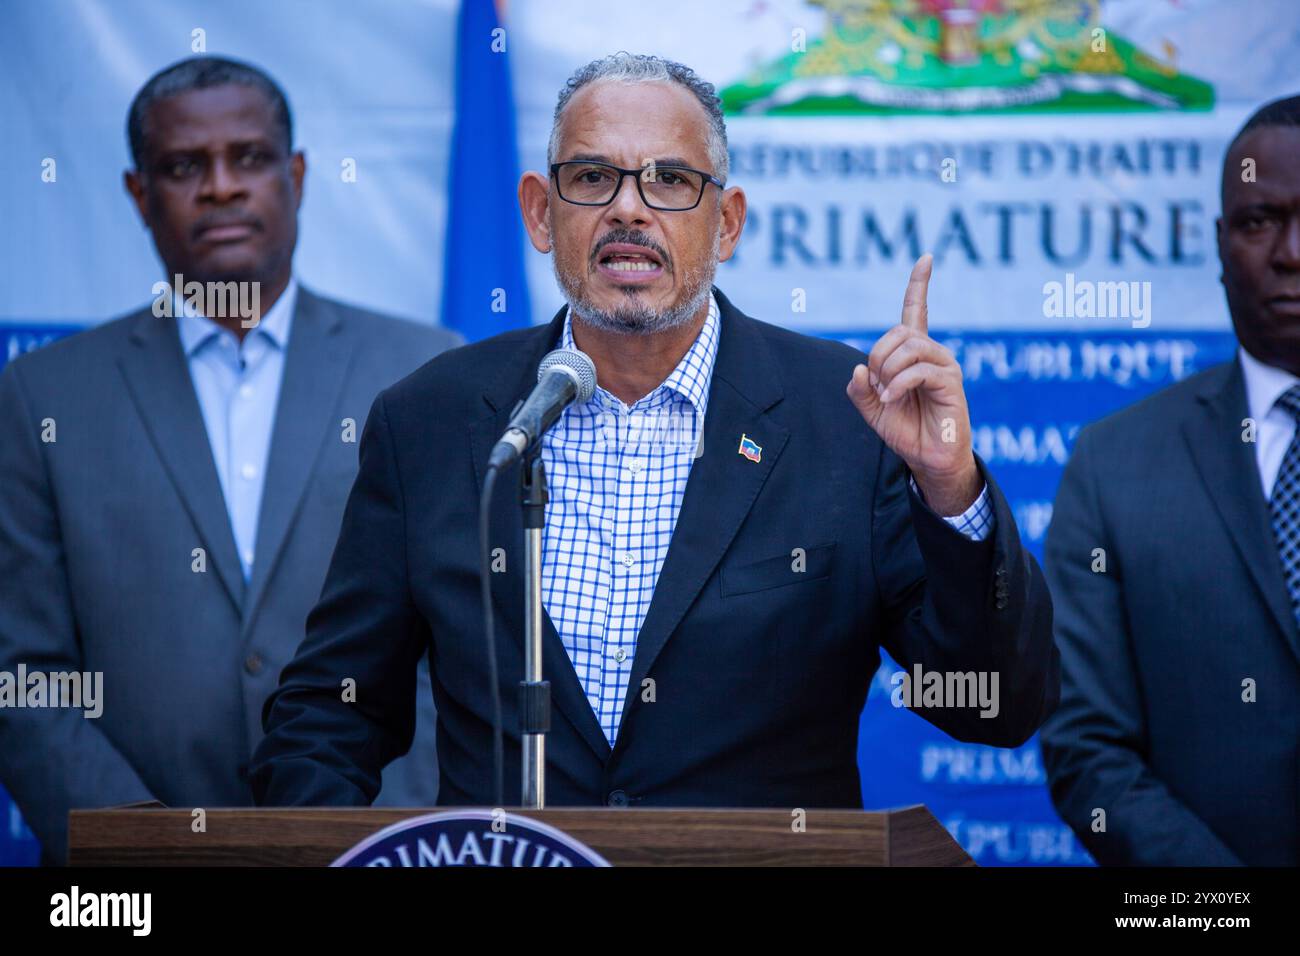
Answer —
(616, 477)
(238, 388)
(1274, 427)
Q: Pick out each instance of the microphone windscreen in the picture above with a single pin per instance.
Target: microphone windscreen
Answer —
(579, 363)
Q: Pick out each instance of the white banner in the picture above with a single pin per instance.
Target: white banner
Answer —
(1037, 149)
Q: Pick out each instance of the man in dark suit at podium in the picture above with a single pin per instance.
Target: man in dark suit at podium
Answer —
(1174, 559)
(710, 641)
(174, 479)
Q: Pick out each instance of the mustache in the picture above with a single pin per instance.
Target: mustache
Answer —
(212, 220)
(631, 237)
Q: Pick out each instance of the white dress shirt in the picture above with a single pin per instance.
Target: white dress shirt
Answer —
(1274, 427)
(238, 388)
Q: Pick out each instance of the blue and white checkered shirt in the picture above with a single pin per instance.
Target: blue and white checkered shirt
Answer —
(616, 476)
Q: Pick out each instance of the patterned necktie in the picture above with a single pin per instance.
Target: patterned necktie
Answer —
(1284, 503)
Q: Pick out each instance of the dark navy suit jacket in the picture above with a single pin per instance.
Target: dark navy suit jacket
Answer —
(1153, 728)
(759, 671)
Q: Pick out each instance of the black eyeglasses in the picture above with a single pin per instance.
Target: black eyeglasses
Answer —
(668, 188)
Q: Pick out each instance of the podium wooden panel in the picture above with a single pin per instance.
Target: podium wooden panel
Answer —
(643, 837)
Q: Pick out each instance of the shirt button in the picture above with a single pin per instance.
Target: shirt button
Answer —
(619, 655)
(245, 391)
(635, 467)
(249, 471)
(253, 664)
(617, 798)
(627, 559)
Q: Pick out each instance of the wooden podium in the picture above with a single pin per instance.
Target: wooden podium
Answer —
(134, 836)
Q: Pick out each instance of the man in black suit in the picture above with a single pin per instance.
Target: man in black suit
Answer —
(1174, 563)
(708, 642)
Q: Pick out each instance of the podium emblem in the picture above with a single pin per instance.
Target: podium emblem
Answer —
(470, 838)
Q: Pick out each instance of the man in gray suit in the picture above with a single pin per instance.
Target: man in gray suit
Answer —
(174, 480)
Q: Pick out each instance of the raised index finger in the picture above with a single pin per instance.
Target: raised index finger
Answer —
(915, 314)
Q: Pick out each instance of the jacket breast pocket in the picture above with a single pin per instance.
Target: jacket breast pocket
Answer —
(814, 564)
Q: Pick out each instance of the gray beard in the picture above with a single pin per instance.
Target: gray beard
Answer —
(635, 318)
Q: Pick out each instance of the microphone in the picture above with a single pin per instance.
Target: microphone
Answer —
(564, 376)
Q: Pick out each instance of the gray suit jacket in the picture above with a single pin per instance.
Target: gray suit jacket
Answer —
(98, 531)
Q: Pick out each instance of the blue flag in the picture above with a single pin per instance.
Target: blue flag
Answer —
(484, 290)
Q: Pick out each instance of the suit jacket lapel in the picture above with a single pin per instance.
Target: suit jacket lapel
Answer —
(723, 484)
(744, 386)
(1230, 472)
(158, 380)
(316, 367)
(518, 377)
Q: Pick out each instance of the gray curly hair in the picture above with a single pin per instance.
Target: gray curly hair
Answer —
(626, 67)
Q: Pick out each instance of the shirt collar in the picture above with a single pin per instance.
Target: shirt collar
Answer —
(197, 329)
(1265, 384)
(693, 373)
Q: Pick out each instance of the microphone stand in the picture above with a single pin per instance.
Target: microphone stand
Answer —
(534, 693)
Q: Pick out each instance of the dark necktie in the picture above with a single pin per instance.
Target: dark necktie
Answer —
(1284, 504)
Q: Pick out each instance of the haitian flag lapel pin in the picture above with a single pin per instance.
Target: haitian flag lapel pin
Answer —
(750, 448)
